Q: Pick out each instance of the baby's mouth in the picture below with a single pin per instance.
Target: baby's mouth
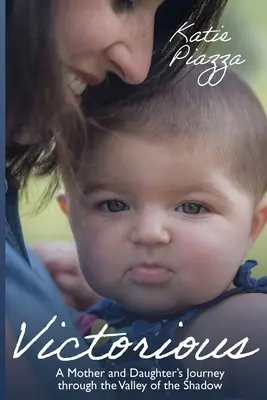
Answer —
(150, 273)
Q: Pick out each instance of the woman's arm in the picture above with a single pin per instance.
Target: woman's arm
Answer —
(61, 260)
(21, 381)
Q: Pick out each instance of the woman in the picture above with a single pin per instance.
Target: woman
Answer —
(57, 50)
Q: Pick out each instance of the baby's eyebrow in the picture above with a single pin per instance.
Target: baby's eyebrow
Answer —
(113, 184)
(108, 184)
(92, 187)
(206, 188)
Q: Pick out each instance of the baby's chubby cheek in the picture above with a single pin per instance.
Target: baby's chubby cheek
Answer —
(211, 256)
(100, 261)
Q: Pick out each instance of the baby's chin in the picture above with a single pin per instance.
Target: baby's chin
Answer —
(149, 307)
(146, 301)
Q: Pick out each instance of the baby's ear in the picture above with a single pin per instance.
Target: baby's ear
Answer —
(259, 219)
(61, 199)
(265, 214)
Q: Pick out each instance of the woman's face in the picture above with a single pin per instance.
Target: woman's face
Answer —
(99, 36)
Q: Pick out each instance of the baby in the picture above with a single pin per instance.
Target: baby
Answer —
(166, 203)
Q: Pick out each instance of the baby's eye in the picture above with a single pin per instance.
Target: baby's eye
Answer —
(113, 206)
(191, 208)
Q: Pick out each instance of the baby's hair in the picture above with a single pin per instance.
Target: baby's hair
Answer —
(226, 120)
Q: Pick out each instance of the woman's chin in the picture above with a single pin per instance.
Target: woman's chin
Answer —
(26, 139)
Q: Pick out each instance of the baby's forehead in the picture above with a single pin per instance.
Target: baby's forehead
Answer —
(135, 165)
(159, 147)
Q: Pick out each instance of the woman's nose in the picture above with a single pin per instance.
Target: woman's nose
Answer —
(150, 230)
(131, 59)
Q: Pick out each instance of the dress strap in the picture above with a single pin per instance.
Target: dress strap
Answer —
(243, 282)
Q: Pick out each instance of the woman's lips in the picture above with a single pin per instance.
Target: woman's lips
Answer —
(150, 274)
(77, 81)
(88, 78)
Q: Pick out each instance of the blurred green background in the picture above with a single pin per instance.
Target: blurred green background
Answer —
(246, 22)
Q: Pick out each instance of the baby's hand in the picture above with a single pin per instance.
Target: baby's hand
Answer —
(61, 261)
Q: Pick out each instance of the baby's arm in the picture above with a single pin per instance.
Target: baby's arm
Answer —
(238, 317)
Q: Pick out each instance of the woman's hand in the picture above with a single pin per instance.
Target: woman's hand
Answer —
(61, 261)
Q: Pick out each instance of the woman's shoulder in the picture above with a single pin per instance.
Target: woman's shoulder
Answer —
(28, 286)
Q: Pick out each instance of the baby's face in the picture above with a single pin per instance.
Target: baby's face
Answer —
(159, 228)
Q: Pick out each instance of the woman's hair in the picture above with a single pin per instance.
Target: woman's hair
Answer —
(35, 101)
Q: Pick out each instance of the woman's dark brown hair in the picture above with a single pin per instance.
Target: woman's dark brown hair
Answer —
(35, 102)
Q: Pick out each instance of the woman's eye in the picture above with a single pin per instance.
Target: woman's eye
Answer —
(124, 5)
(191, 208)
(114, 206)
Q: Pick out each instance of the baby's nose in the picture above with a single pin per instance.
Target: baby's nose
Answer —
(151, 230)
